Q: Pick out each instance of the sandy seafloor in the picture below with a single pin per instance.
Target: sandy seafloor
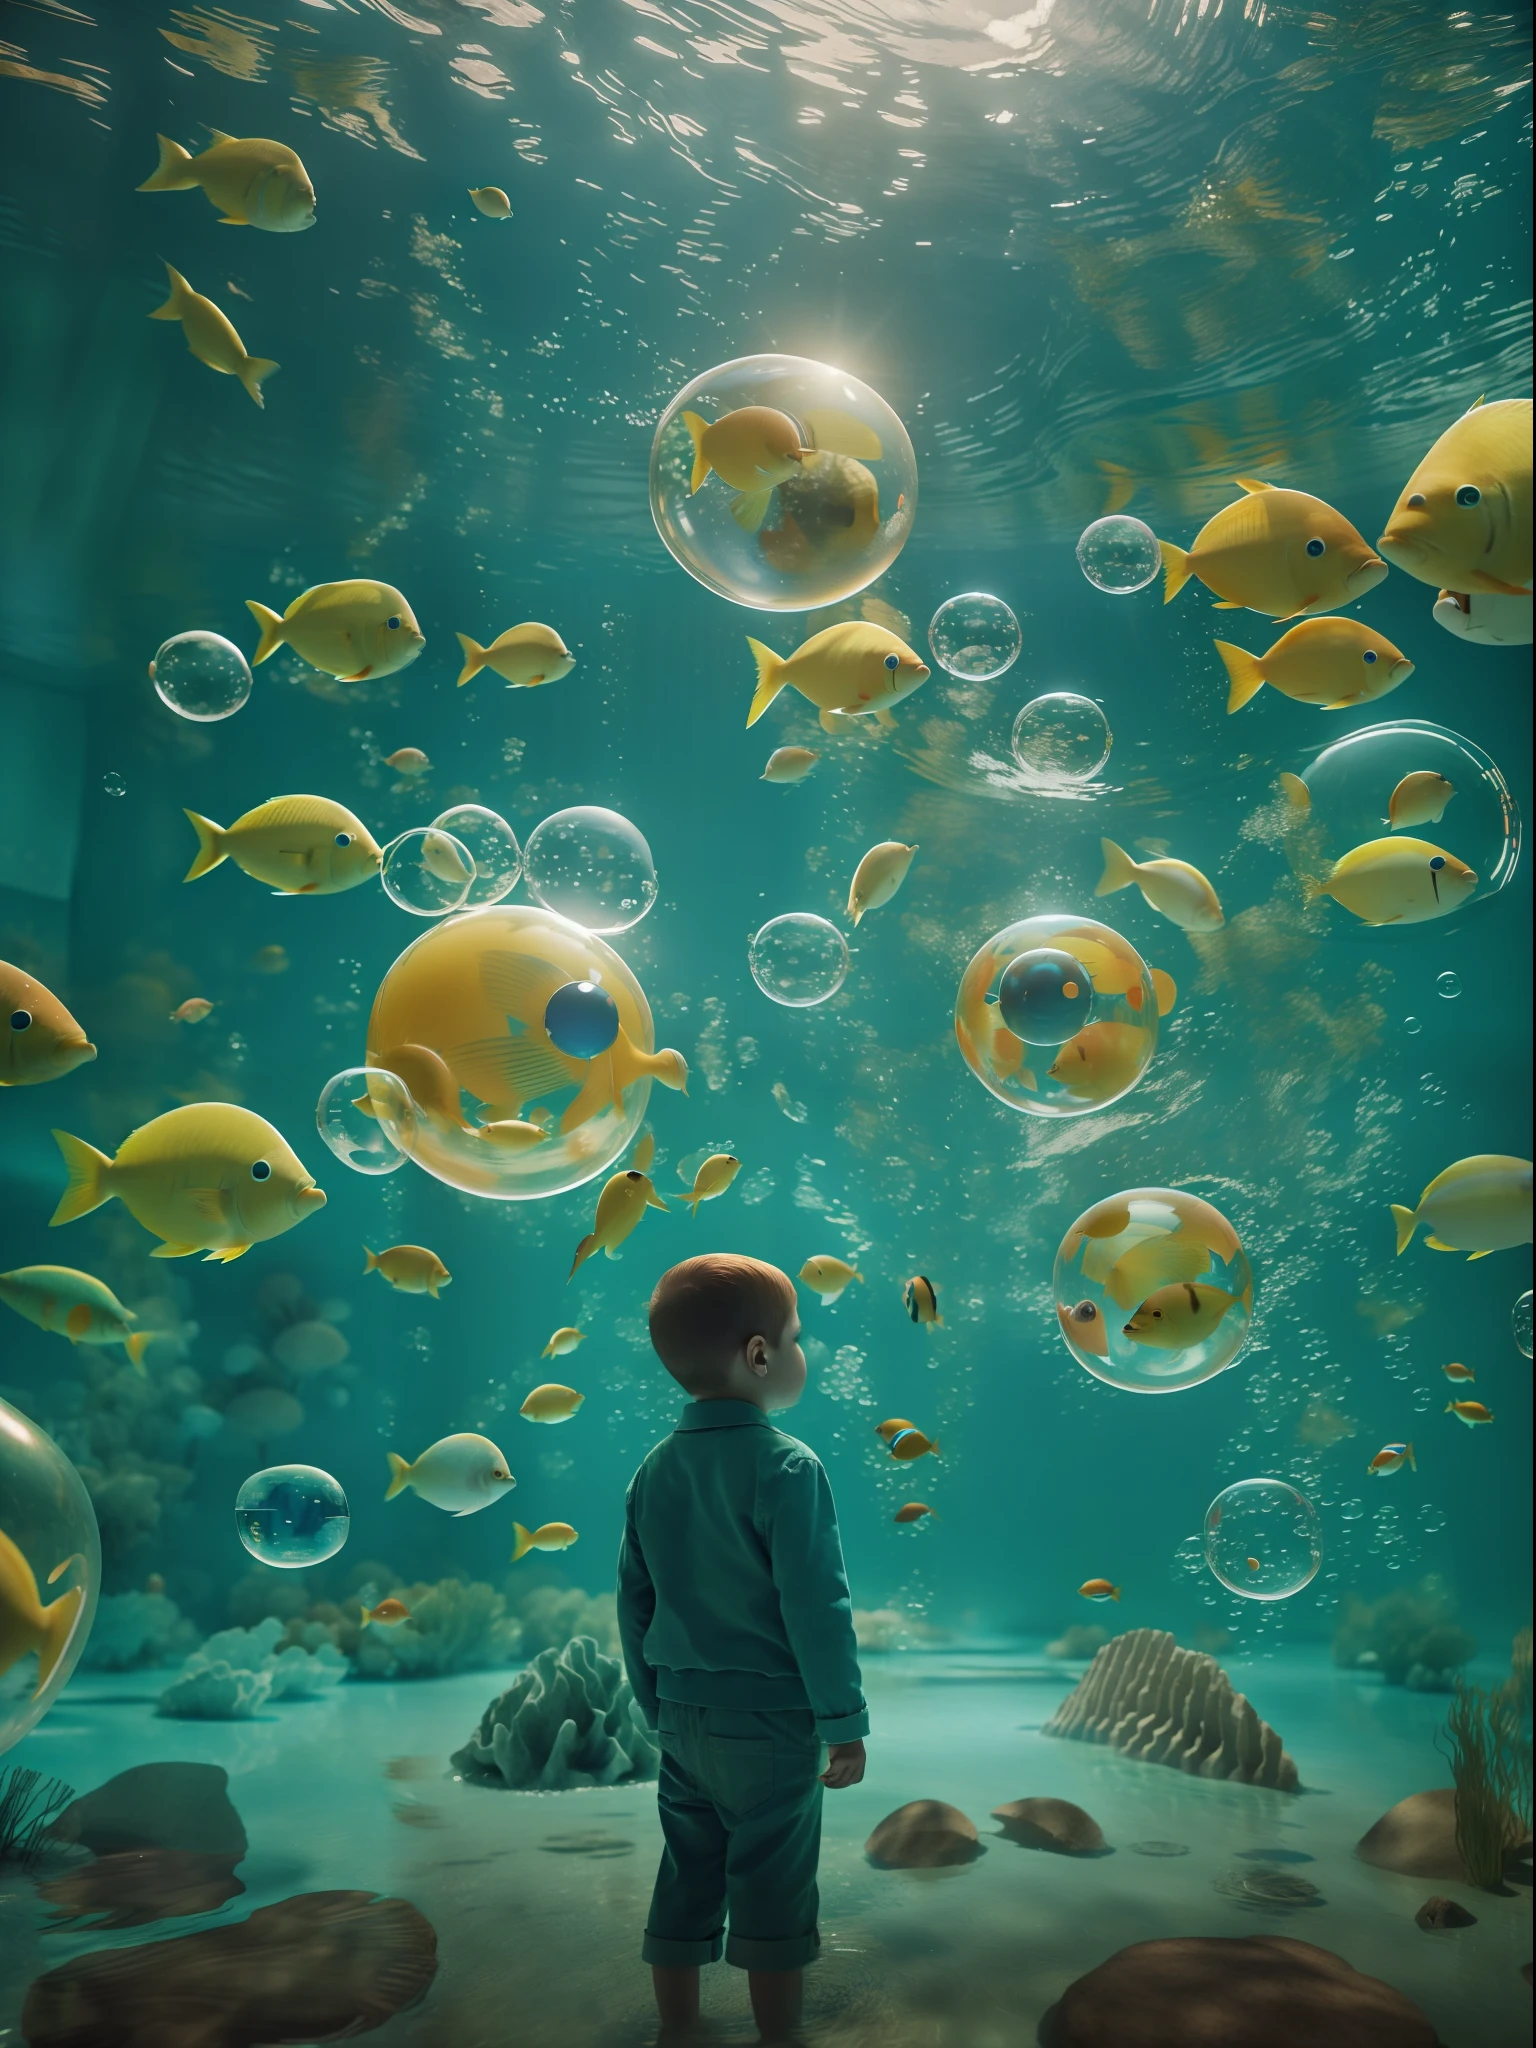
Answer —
(540, 1948)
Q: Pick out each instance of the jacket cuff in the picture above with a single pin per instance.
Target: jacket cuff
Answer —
(844, 1727)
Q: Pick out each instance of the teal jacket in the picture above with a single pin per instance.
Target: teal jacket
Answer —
(732, 1591)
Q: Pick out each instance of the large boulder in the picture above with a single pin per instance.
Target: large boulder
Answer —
(925, 1834)
(1417, 1838)
(157, 1806)
(1054, 1824)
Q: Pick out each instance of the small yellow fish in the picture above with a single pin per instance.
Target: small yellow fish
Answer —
(39, 1039)
(1330, 663)
(789, 764)
(1479, 1205)
(1464, 519)
(751, 450)
(1100, 1061)
(852, 669)
(912, 1511)
(1397, 881)
(908, 1444)
(551, 1536)
(524, 656)
(827, 1276)
(1252, 1563)
(192, 1011)
(1487, 618)
(459, 1474)
(211, 336)
(409, 1268)
(297, 845)
(921, 1302)
(447, 858)
(625, 1198)
(893, 1427)
(491, 201)
(269, 960)
(1276, 551)
(1084, 1325)
(713, 1178)
(1470, 1412)
(74, 1305)
(1391, 1458)
(388, 1614)
(1174, 889)
(564, 1340)
(353, 629)
(1179, 1315)
(25, 1623)
(878, 876)
(254, 183)
(408, 761)
(1458, 1372)
(551, 1403)
(1098, 1589)
(1419, 799)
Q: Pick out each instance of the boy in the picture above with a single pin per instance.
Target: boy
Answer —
(738, 1639)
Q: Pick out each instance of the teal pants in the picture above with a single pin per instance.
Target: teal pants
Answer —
(740, 1805)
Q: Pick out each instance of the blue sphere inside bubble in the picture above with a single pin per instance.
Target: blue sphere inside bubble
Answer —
(292, 1515)
(1045, 996)
(582, 1019)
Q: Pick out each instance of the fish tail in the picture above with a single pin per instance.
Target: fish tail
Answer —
(252, 372)
(136, 1343)
(1119, 869)
(584, 1252)
(1297, 794)
(1245, 671)
(933, 1448)
(1176, 569)
(1119, 486)
(1313, 886)
(174, 172)
(474, 658)
(364, 1618)
(1407, 1222)
(1114, 1594)
(84, 1190)
(175, 305)
(522, 1542)
(58, 1627)
(697, 429)
(272, 629)
(770, 678)
(399, 1474)
(1413, 1463)
(209, 851)
(373, 1260)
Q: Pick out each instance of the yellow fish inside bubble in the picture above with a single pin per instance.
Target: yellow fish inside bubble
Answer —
(756, 448)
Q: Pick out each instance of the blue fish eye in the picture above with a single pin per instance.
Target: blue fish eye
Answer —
(20, 1019)
(893, 661)
(343, 838)
(1316, 547)
(393, 624)
(1370, 656)
(1469, 494)
(1416, 501)
(1437, 864)
(261, 1170)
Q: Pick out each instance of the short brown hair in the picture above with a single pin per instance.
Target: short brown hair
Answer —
(704, 1310)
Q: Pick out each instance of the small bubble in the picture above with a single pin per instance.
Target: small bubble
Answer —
(114, 784)
(1448, 985)
(1412, 1026)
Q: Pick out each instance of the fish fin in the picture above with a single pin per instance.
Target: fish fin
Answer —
(1119, 869)
(252, 374)
(175, 305)
(219, 136)
(1297, 794)
(1470, 1255)
(432, 1289)
(1480, 580)
(1176, 569)
(1120, 486)
(597, 1094)
(474, 658)
(520, 985)
(174, 1251)
(750, 508)
(697, 429)
(373, 1260)
(584, 1252)
(1314, 886)
(501, 1068)
(770, 678)
(209, 852)
(1245, 672)
(222, 1254)
(1252, 483)
(834, 721)
(1407, 1222)
(1114, 1594)
(58, 1626)
(1285, 618)
(1227, 604)
(399, 1474)
(654, 1201)
(272, 627)
(522, 1542)
(174, 172)
(839, 433)
(136, 1343)
(1166, 989)
(83, 1191)
(233, 220)
(1438, 1245)
(884, 720)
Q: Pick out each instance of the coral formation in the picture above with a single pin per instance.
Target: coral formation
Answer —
(456, 1625)
(1148, 1699)
(552, 1615)
(569, 1719)
(925, 1834)
(1054, 1824)
(135, 1629)
(238, 1671)
(1410, 1636)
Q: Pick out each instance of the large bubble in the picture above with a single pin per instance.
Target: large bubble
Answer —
(491, 844)
(500, 1111)
(806, 482)
(292, 1516)
(427, 872)
(1154, 1292)
(367, 1118)
(1095, 1061)
(974, 636)
(1061, 738)
(1263, 1539)
(201, 676)
(798, 959)
(1119, 554)
(50, 1572)
(592, 866)
(1520, 1323)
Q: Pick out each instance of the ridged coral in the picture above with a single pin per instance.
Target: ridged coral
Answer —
(570, 1719)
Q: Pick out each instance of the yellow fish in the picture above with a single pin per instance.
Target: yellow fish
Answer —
(25, 1623)
(1487, 618)
(444, 856)
(409, 1269)
(564, 1340)
(1100, 1061)
(551, 1536)
(852, 669)
(1419, 799)
(830, 511)
(211, 336)
(1085, 1326)
(39, 1039)
(751, 450)
(1098, 1589)
(1176, 890)
(1397, 881)
(208, 1177)
(789, 764)
(1332, 663)
(551, 1403)
(1460, 1373)
(920, 1300)
(388, 1614)
(192, 1011)
(878, 876)
(1391, 1458)
(1177, 1316)
(298, 845)
(459, 1474)
(912, 1511)
(1470, 1412)
(1464, 519)
(353, 629)
(408, 761)
(624, 1200)
(828, 1277)
(269, 960)
(253, 182)
(491, 201)
(909, 1443)
(1276, 551)
(74, 1305)
(524, 656)
(1154, 1262)
(713, 1178)
(886, 1430)
(1479, 1205)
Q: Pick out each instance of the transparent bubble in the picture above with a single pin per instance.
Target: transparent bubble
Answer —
(201, 676)
(592, 866)
(500, 1110)
(1448, 985)
(1099, 1062)
(1412, 1026)
(1061, 738)
(1520, 1323)
(1045, 996)
(798, 959)
(1154, 1292)
(1263, 1539)
(1119, 555)
(1354, 790)
(50, 1559)
(292, 1516)
(113, 784)
(775, 527)
(492, 846)
(975, 636)
(428, 872)
(367, 1118)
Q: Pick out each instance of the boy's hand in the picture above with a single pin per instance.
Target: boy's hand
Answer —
(845, 1765)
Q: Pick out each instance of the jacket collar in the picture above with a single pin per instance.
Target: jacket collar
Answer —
(721, 1415)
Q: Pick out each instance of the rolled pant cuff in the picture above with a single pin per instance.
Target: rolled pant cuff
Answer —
(791, 1954)
(682, 1955)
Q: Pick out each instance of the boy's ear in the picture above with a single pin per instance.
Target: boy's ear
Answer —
(755, 1351)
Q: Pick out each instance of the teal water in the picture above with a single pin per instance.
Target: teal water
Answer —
(1089, 254)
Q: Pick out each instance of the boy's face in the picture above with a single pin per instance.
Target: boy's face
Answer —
(778, 1368)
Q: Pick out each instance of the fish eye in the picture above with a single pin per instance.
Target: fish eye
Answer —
(393, 625)
(1085, 1312)
(20, 1020)
(260, 1170)
(1437, 864)
(1316, 547)
(632, 1175)
(1469, 494)
(343, 838)
(1416, 501)
(893, 661)
(1370, 656)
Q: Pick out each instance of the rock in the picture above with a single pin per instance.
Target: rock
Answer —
(923, 1835)
(1145, 1697)
(570, 1719)
(157, 1806)
(1050, 1824)
(1438, 1912)
(135, 1886)
(1201, 1992)
(1417, 1838)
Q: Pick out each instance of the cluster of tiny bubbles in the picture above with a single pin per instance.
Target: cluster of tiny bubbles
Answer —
(492, 846)
(427, 872)
(1448, 985)
(292, 1516)
(367, 1118)
(975, 636)
(1107, 1026)
(51, 1559)
(798, 960)
(1263, 1539)
(781, 483)
(1119, 554)
(1154, 1292)
(582, 1019)
(113, 784)
(1061, 738)
(592, 866)
(201, 676)
(1520, 1323)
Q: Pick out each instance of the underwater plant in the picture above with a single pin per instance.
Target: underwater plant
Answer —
(1411, 1636)
(456, 1625)
(1490, 1758)
(570, 1719)
(28, 1804)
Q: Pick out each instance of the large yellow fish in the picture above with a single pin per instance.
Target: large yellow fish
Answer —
(1463, 522)
(1176, 890)
(1478, 1205)
(460, 1474)
(25, 1623)
(253, 182)
(39, 1039)
(851, 669)
(1176, 1317)
(625, 1198)
(1397, 881)
(1332, 663)
(1275, 551)
(74, 1305)
(1100, 1061)
(208, 1177)
(212, 338)
(524, 656)
(298, 845)
(353, 629)
(751, 450)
